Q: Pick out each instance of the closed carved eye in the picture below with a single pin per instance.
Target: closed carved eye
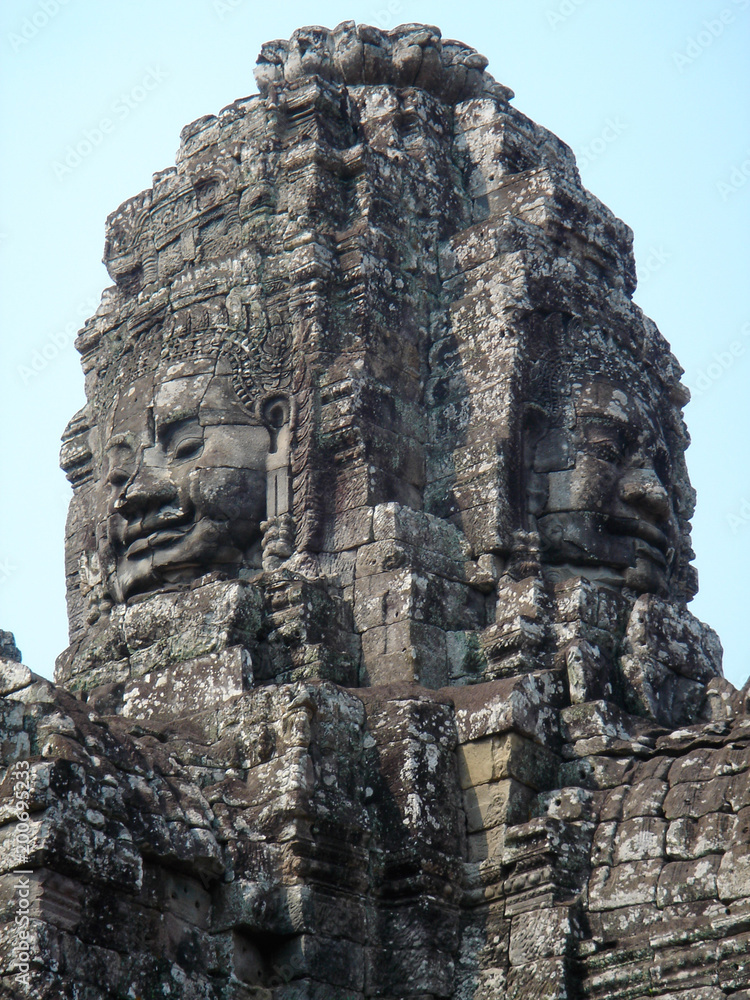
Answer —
(607, 451)
(187, 448)
(181, 438)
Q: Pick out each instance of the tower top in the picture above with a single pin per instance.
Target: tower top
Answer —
(411, 55)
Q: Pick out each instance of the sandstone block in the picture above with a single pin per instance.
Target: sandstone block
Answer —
(640, 838)
(508, 756)
(627, 922)
(523, 705)
(698, 798)
(208, 680)
(645, 798)
(540, 934)
(733, 876)
(542, 980)
(693, 838)
(629, 884)
(685, 881)
(597, 772)
(405, 651)
(504, 802)
(486, 844)
(13, 676)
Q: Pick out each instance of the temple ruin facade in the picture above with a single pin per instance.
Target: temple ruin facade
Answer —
(382, 680)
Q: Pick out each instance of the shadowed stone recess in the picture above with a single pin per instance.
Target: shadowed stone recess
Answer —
(382, 681)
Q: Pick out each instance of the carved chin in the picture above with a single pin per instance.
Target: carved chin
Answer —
(646, 577)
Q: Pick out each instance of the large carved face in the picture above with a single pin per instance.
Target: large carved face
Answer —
(183, 481)
(599, 491)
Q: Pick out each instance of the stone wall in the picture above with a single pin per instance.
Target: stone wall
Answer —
(313, 841)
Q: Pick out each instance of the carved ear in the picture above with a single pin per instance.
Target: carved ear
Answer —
(276, 414)
(76, 456)
(536, 421)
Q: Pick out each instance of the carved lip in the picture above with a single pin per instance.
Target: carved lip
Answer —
(156, 540)
(656, 542)
(656, 555)
(157, 529)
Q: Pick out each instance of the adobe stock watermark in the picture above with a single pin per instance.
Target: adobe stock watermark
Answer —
(738, 178)
(739, 519)
(20, 852)
(710, 30)
(7, 570)
(387, 16)
(721, 363)
(121, 109)
(222, 8)
(655, 261)
(36, 22)
(55, 344)
(560, 14)
(613, 129)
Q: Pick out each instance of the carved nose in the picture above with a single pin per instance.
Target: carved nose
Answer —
(642, 488)
(148, 490)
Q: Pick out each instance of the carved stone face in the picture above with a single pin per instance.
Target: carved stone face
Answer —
(599, 490)
(183, 482)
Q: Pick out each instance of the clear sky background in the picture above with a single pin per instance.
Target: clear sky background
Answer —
(654, 98)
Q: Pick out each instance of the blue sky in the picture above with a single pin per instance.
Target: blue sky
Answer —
(653, 97)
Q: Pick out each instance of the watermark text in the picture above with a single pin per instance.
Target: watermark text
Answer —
(721, 362)
(655, 261)
(76, 152)
(51, 349)
(560, 14)
(710, 30)
(613, 129)
(738, 178)
(20, 852)
(36, 22)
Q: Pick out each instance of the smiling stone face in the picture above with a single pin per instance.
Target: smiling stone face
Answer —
(183, 483)
(599, 491)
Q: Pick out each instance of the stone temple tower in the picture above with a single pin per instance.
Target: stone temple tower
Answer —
(382, 681)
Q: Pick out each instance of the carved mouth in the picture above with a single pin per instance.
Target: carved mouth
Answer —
(156, 540)
(646, 532)
(156, 530)
(656, 555)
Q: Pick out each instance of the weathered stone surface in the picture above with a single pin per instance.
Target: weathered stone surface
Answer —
(13, 675)
(627, 884)
(638, 839)
(684, 881)
(381, 678)
(511, 756)
(693, 838)
(8, 648)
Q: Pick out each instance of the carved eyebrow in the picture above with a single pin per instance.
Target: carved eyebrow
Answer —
(167, 422)
(607, 425)
(120, 441)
